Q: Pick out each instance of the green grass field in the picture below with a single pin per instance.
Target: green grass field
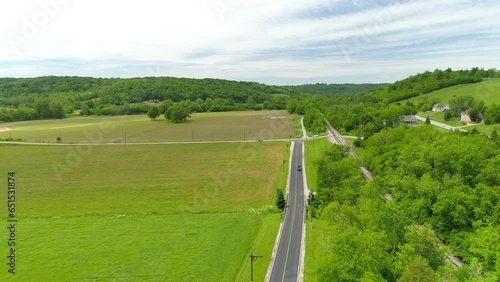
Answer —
(204, 247)
(439, 117)
(484, 129)
(179, 212)
(487, 90)
(226, 126)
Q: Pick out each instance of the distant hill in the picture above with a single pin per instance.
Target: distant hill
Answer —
(487, 91)
(54, 97)
(335, 89)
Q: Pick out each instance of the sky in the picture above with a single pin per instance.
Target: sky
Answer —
(280, 42)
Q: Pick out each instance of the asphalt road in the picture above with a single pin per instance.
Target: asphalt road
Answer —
(286, 263)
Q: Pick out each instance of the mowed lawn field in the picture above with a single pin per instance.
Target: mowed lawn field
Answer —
(439, 117)
(225, 126)
(177, 212)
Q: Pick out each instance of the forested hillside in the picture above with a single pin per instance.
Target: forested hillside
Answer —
(346, 89)
(444, 186)
(53, 97)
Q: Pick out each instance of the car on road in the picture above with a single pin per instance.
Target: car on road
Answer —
(299, 168)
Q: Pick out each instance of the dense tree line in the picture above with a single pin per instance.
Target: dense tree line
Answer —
(345, 89)
(20, 99)
(444, 185)
(365, 119)
(311, 107)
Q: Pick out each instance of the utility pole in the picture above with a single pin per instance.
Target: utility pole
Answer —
(252, 259)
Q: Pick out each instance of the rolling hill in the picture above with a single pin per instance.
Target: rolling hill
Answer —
(487, 90)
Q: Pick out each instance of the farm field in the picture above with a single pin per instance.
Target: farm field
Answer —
(178, 212)
(195, 247)
(225, 126)
(487, 90)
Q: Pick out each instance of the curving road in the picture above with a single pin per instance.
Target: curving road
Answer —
(287, 260)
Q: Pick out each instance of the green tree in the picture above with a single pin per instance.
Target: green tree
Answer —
(418, 271)
(485, 246)
(492, 114)
(57, 110)
(427, 120)
(251, 102)
(494, 135)
(280, 200)
(475, 115)
(177, 113)
(354, 254)
(165, 104)
(153, 112)
(42, 108)
(424, 241)
(454, 209)
(447, 115)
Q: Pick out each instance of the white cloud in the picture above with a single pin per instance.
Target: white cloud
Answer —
(279, 41)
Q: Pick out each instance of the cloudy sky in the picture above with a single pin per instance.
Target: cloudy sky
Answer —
(269, 41)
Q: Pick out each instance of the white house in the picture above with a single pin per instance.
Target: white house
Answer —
(438, 107)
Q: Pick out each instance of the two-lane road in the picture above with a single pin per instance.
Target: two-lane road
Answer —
(287, 261)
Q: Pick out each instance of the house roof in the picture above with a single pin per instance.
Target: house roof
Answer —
(409, 118)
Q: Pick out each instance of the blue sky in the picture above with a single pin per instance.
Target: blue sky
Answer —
(274, 42)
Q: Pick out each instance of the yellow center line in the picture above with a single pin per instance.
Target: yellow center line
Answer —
(293, 221)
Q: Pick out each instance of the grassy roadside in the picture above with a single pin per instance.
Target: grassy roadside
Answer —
(316, 240)
(315, 232)
(262, 246)
(267, 232)
(283, 173)
(313, 151)
(298, 126)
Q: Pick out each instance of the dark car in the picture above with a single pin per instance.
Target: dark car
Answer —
(299, 168)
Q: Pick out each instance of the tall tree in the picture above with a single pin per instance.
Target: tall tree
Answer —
(177, 113)
(153, 112)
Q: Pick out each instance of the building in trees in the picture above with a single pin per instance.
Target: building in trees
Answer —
(410, 119)
(464, 116)
(440, 107)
